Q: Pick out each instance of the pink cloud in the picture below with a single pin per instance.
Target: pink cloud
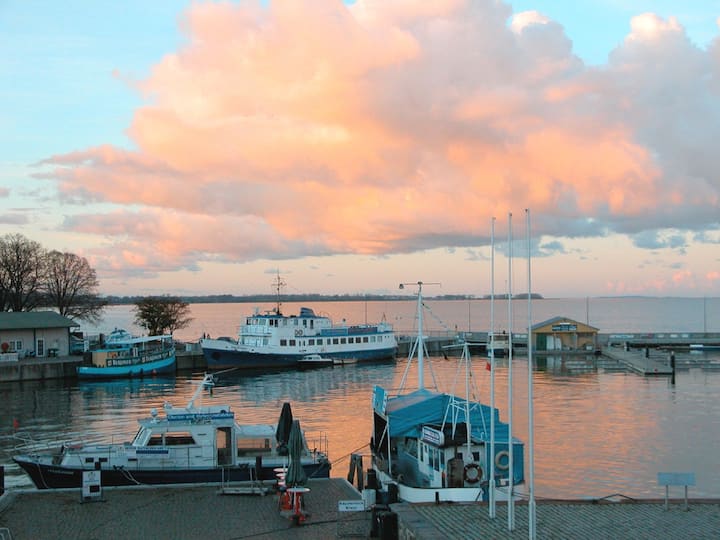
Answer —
(319, 128)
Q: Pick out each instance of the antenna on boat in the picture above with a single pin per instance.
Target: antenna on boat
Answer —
(278, 284)
(207, 382)
(419, 344)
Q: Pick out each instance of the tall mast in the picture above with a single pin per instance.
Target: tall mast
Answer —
(531, 430)
(492, 369)
(278, 284)
(511, 503)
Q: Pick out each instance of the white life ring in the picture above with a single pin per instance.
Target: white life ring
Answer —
(499, 463)
(472, 473)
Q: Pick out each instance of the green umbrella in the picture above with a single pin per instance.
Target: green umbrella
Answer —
(296, 474)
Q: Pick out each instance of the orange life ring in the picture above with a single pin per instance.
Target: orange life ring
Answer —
(473, 473)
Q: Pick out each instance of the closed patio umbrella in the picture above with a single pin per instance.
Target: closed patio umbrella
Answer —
(296, 474)
(282, 433)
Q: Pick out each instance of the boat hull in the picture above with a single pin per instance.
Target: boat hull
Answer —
(46, 476)
(217, 358)
(156, 367)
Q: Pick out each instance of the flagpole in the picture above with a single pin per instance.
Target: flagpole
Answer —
(511, 504)
(531, 418)
(491, 342)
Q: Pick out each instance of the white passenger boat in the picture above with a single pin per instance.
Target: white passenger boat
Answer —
(429, 446)
(274, 340)
(190, 444)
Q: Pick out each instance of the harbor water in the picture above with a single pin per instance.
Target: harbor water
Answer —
(599, 430)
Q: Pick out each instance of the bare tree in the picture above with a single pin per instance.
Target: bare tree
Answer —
(71, 285)
(21, 273)
(161, 314)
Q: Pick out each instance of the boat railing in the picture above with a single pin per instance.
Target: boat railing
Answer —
(317, 443)
(25, 443)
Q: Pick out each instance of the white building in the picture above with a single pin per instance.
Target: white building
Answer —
(34, 333)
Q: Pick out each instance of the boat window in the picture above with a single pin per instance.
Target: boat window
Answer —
(335, 341)
(253, 446)
(283, 342)
(476, 456)
(422, 452)
(365, 339)
(179, 438)
(292, 342)
(342, 341)
(311, 342)
(305, 323)
(155, 440)
(411, 446)
(431, 458)
(351, 340)
(372, 339)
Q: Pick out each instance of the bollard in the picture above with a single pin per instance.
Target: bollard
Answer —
(672, 367)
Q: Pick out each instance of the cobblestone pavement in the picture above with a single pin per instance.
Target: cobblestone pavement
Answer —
(557, 520)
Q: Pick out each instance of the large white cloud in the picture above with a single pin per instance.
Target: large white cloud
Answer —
(388, 127)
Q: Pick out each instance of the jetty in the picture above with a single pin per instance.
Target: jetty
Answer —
(642, 361)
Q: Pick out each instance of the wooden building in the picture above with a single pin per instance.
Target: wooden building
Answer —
(34, 333)
(564, 334)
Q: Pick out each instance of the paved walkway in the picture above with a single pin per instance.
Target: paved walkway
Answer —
(176, 513)
(571, 520)
(201, 512)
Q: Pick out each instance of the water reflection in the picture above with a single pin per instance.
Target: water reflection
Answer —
(598, 430)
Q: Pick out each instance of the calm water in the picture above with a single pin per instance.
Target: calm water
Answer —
(598, 430)
(609, 315)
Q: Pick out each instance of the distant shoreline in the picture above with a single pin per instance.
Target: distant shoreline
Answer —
(269, 298)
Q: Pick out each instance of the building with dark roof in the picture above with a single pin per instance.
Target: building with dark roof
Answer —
(34, 333)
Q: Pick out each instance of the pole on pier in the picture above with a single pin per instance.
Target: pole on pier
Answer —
(672, 367)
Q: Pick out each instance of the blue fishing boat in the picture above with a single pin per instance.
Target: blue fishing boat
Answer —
(430, 446)
(122, 356)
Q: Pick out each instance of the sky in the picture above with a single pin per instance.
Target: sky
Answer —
(201, 147)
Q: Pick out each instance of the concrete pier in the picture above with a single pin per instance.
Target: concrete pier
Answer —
(642, 361)
(189, 512)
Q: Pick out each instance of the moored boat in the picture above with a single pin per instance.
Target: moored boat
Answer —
(190, 444)
(123, 355)
(432, 446)
(274, 340)
(315, 360)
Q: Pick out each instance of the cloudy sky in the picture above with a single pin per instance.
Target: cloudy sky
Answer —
(197, 147)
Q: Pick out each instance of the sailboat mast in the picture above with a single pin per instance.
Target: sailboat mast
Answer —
(420, 344)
